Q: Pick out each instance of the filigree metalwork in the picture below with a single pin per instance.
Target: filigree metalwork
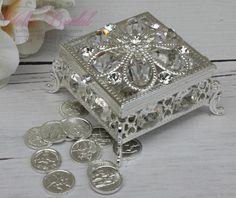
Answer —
(136, 75)
(215, 99)
(206, 92)
(55, 83)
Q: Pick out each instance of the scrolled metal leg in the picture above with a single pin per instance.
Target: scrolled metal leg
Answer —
(119, 147)
(215, 99)
(55, 83)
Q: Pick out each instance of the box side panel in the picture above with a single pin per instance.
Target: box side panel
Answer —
(142, 101)
(169, 108)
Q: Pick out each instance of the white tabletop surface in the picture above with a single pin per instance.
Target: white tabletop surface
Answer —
(191, 157)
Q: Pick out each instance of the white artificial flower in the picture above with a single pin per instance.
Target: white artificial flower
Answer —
(9, 57)
(43, 19)
(27, 21)
(23, 24)
(18, 14)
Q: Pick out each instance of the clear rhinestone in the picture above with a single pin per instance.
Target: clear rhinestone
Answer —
(156, 54)
(101, 102)
(105, 61)
(100, 38)
(139, 72)
(150, 114)
(86, 79)
(195, 94)
(170, 34)
(149, 24)
(144, 20)
(155, 26)
(159, 109)
(158, 37)
(183, 50)
(136, 40)
(109, 27)
(103, 109)
(148, 39)
(87, 52)
(74, 82)
(114, 78)
(76, 78)
(165, 77)
(134, 27)
(174, 60)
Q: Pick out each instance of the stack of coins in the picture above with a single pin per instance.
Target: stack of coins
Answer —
(104, 177)
(87, 142)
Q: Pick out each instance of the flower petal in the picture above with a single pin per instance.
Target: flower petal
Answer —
(42, 21)
(3, 22)
(9, 56)
(42, 10)
(7, 2)
(56, 18)
(19, 13)
(56, 3)
(37, 33)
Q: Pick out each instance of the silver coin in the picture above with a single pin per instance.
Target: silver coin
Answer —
(76, 128)
(73, 108)
(100, 163)
(46, 160)
(85, 151)
(34, 140)
(53, 132)
(105, 180)
(129, 149)
(101, 136)
(59, 181)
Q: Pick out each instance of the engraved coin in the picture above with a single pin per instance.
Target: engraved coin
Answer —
(46, 160)
(34, 140)
(100, 163)
(73, 108)
(105, 180)
(76, 128)
(53, 132)
(85, 151)
(129, 149)
(101, 136)
(59, 181)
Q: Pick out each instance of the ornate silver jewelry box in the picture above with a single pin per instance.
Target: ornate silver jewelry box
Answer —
(134, 76)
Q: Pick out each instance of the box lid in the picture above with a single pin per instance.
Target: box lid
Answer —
(136, 62)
